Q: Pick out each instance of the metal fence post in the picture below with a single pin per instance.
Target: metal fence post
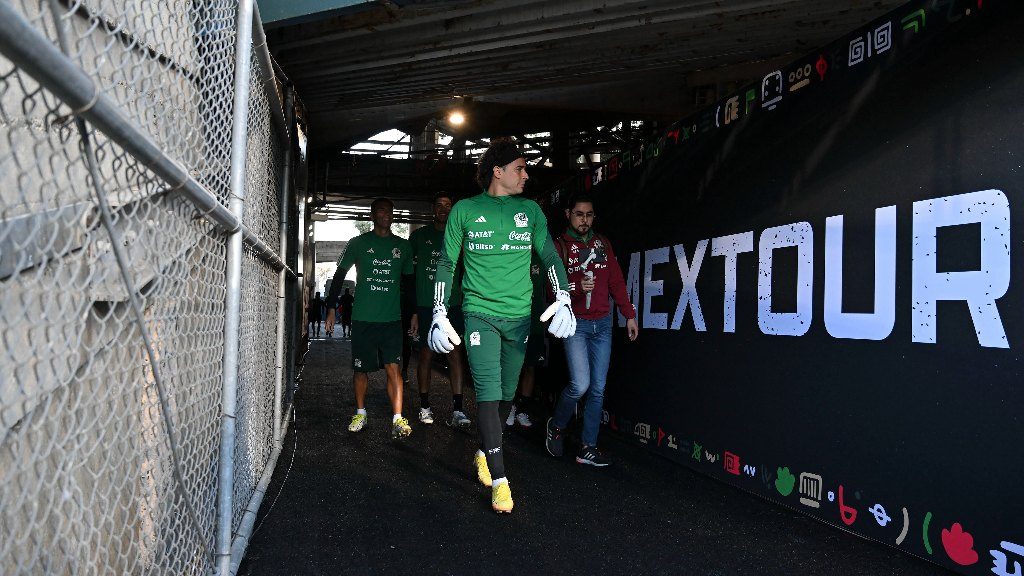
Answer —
(239, 136)
(282, 300)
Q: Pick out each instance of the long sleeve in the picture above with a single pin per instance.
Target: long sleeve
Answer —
(554, 269)
(617, 285)
(445, 275)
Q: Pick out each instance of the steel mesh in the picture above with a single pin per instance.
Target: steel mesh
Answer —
(87, 480)
(265, 156)
(168, 65)
(254, 423)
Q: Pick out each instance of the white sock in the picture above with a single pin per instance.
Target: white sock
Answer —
(361, 411)
(481, 453)
(395, 418)
(497, 481)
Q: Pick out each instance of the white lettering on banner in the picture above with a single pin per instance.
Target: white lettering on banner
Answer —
(979, 289)
(878, 324)
(731, 247)
(796, 323)
(688, 274)
(654, 288)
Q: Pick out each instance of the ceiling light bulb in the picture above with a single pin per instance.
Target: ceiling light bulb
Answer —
(456, 118)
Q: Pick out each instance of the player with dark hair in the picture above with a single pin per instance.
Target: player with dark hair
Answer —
(495, 233)
(427, 243)
(381, 260)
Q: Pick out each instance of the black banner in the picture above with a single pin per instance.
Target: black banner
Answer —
(824, 266)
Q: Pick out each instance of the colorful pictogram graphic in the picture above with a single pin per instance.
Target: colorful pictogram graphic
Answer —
(847, 514)
(959, 545)
(785, 481)
(731, 463)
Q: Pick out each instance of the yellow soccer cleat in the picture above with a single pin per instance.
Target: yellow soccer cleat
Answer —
(482, 472)
(501, 498)
(400, 429)
(358, 421)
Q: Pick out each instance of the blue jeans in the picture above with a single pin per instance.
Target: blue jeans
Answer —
(587, 352)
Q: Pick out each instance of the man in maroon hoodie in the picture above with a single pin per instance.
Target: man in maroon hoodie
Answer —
(594, 280)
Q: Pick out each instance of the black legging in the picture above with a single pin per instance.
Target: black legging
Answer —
(490, 422)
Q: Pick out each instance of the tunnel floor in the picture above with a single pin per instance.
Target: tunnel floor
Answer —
(364, 504)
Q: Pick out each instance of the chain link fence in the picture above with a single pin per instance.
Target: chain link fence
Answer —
(114, 227)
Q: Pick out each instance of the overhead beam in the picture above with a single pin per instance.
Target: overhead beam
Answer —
(284, 10)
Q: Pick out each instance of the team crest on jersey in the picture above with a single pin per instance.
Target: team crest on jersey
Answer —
(474, 339)
(396, 253)
(521, 220)
(357, 363)
(534, 270)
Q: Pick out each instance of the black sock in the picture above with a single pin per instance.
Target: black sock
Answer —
(490, 436)
(425, 399)
(457, 402)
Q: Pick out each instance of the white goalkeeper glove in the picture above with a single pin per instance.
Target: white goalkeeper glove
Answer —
(563, 321)
(442, 337)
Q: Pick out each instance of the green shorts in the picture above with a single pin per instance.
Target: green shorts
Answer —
(495, 347)
(425, 316)
(375, 344)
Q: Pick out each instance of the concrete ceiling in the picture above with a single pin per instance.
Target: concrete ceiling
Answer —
(539, 65)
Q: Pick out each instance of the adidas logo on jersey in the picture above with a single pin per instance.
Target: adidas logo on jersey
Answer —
(370, 251)
(481, 220)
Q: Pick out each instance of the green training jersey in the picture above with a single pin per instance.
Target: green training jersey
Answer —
(380, 264)
(495, 236)
(427, 243)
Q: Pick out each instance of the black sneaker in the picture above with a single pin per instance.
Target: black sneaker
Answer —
(553, 440)
(592, 456)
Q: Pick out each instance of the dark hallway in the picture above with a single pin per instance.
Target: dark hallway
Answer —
(363, 504)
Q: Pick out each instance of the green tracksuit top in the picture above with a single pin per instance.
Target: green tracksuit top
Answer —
(380, 264)
(427, 244)
(495, 236)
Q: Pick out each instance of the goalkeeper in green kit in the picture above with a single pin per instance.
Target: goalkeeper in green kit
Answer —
(495, 233)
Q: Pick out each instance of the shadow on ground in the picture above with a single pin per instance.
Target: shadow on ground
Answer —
(364, 504)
